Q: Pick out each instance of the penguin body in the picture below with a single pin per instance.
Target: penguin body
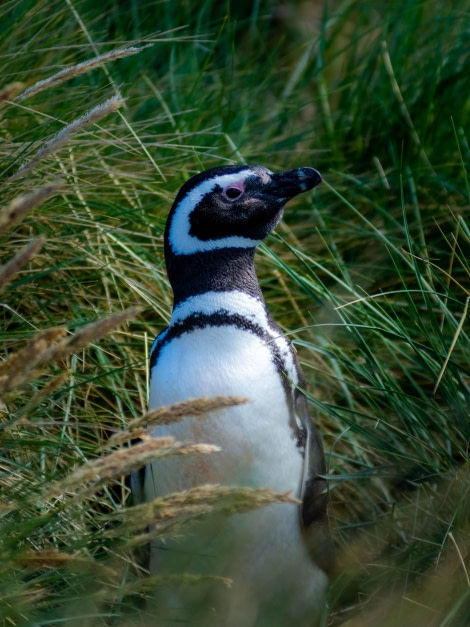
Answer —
(221, 340)
(247, 363)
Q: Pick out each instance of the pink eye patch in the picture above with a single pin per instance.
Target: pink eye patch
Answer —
(234, 190)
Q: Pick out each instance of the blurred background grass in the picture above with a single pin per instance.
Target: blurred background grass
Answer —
(369, 274)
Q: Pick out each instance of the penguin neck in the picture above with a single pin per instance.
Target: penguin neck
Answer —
(221, 270)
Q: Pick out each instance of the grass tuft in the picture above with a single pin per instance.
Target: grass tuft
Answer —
(369, 275)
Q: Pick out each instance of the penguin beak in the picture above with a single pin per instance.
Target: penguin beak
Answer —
(285, 185)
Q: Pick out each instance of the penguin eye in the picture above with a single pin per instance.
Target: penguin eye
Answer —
(232, 193)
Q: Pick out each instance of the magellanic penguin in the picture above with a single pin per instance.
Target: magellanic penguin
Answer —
(221, 340)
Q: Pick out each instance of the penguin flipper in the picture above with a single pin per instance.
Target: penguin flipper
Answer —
(314, 493)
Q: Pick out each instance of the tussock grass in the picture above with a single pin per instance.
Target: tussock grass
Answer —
(369, 275)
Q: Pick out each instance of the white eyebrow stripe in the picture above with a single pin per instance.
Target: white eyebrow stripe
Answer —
(181, 241)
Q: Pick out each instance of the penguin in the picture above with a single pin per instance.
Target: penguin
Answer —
(222, 340)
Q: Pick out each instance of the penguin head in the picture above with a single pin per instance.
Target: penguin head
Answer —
(231, 207)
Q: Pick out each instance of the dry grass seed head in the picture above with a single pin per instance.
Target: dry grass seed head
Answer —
(196, 408)
(50, 346)
(62, 137)
(89, 333)
(20, 367)
(122, 462)
(73, 71)
(8, 271)
(180, 507)
(50, 558)
(20, 206)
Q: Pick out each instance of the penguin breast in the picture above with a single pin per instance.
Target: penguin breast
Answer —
(253, 437)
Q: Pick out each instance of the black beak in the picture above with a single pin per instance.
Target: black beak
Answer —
(285, 185)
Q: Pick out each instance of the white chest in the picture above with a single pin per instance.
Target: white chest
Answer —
(257, 442)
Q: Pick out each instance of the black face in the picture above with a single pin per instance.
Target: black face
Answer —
(237, 209)
(236, 202)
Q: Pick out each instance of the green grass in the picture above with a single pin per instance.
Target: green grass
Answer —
(369, 275)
